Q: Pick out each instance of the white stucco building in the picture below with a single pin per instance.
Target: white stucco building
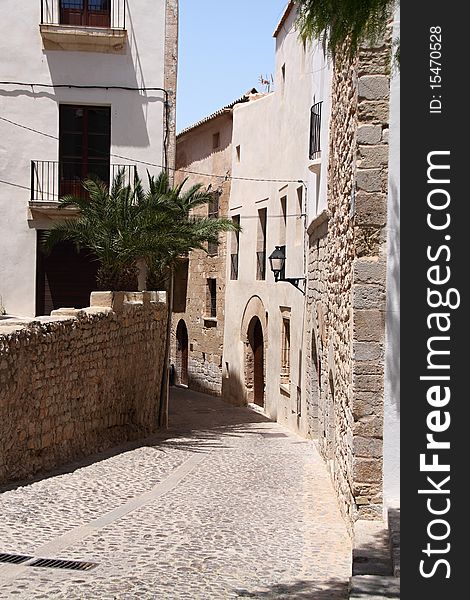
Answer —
(86, 85)
(276, 189)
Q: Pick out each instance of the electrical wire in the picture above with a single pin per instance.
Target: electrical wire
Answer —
(110, 87)
(86, 87)
(23, 187)
(298, 216)
(29, 128)
(226, 177)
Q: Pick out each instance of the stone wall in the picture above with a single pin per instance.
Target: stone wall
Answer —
(346, 295)
(196, 152)
(316, 340)
(369, 280)
(170, 77)
(79, 381)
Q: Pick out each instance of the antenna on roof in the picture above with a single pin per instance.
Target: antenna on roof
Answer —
(266, 81)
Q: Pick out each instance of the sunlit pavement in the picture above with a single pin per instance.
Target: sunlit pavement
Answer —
(226, 504)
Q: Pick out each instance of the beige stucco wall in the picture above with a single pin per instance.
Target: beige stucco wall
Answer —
(273, 135)
(75, 383)
(137, 118)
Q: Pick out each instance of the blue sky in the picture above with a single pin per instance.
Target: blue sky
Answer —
(223, 49)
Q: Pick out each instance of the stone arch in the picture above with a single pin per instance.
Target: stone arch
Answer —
(182, 353)
(253, 308)
(253, 335)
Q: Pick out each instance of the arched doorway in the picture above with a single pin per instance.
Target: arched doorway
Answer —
(255, 362)
(182, 353)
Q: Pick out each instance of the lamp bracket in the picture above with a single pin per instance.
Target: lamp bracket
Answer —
(295, 281)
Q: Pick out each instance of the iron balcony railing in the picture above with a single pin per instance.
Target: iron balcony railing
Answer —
(233, 266)
(261, 265)
(315, 131)
(109, 14)
(50, 180)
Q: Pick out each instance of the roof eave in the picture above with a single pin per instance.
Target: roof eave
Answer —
(224, 110)
(284, 17)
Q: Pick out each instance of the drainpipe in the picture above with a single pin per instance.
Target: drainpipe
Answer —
(165, 386)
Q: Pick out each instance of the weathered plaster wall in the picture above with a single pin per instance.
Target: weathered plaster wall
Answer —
(79, 381)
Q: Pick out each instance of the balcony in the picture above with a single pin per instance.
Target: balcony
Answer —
(315, 131)
(84, 25)
(50, 180)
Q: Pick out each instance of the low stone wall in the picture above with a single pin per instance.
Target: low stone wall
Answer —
(79, 381)
(205, 375)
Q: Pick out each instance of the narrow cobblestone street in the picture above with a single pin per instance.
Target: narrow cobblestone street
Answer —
(226, 504)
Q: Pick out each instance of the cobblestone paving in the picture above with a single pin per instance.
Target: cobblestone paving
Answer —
(227, 505)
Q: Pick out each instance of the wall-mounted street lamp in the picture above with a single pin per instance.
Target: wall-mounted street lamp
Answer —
(277, 260)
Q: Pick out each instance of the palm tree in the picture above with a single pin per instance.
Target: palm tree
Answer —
(105, 226)
(125, 225)
(169, 229)
(343, 21)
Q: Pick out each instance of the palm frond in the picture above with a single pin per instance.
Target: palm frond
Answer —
(125, 224)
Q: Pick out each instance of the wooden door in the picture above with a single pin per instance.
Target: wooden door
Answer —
(258, 364)
(85, 13)
(182, 352)
(84, 146)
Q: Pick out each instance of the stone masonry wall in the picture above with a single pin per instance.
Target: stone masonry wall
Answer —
(338, 384)
(346, 296)
(79, 381)
(195, 152)
(170, 75)
(316, 340)
(205, 334)
(369, 280)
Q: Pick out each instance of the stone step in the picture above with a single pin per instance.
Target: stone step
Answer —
(394, 531)
(371, 552)
(374, 587)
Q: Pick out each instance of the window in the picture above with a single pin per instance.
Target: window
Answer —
(283, 221)
(299, 229)
(213, 206)
(84, 146)
(88, 13)
(261, 245)
(285, 351)
(216, 141)
(211, 298)
(283, 73)
(315, 130)
(238, 153)
(235, 243)
(180, 289)
(213, 213)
